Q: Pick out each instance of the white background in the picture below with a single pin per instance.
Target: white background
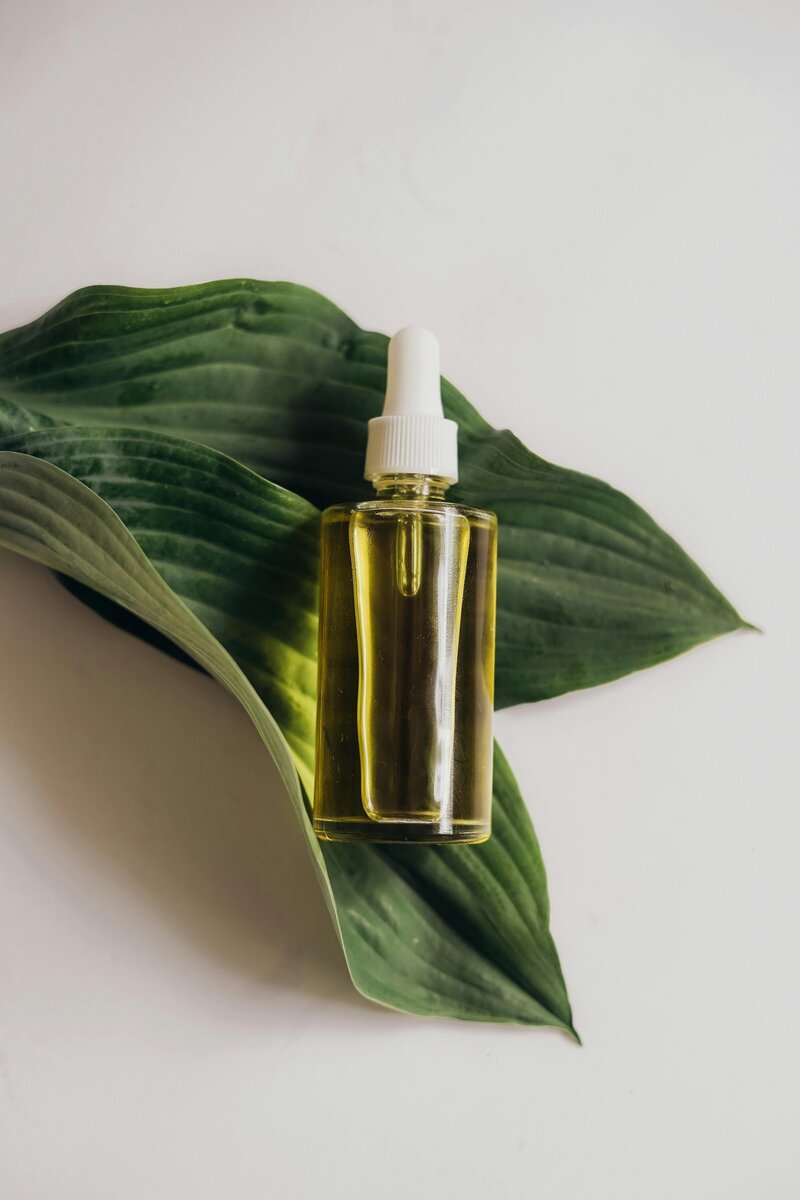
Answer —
(595, 207)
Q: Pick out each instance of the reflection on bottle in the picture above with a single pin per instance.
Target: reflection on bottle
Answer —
(408, 585)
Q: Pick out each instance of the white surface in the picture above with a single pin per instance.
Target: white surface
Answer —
(595, 208)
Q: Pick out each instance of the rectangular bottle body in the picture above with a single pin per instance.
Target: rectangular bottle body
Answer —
(406, 672)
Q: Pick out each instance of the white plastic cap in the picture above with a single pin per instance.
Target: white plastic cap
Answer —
(413, 436)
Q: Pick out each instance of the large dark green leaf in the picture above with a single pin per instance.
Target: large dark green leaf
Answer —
(590, 588)
(223, 564)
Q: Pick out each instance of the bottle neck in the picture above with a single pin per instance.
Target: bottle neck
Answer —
(411, 487)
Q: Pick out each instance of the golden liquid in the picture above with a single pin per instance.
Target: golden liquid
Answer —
(406, 672)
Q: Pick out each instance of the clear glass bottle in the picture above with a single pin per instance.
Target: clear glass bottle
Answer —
(406, 639)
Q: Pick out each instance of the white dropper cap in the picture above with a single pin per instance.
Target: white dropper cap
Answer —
(413, 436)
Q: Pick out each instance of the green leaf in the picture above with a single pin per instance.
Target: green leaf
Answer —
(223, 564)
(589, 587)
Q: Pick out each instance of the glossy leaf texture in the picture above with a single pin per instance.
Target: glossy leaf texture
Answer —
(589, 587)
(223, 564)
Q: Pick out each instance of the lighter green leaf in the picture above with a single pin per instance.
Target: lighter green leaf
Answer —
(224, 565)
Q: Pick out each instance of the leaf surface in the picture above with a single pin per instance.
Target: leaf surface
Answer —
(223, 564)
(279, 378)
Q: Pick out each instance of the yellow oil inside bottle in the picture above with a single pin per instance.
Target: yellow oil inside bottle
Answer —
(406, 670)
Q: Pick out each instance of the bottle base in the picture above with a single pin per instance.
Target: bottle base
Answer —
(420, 833)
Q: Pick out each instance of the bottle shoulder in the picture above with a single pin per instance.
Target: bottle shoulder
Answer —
(424, 505)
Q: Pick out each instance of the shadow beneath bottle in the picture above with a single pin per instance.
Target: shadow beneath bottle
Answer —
(154, 768)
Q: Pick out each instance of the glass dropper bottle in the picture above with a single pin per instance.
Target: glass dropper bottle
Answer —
(406, 634)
